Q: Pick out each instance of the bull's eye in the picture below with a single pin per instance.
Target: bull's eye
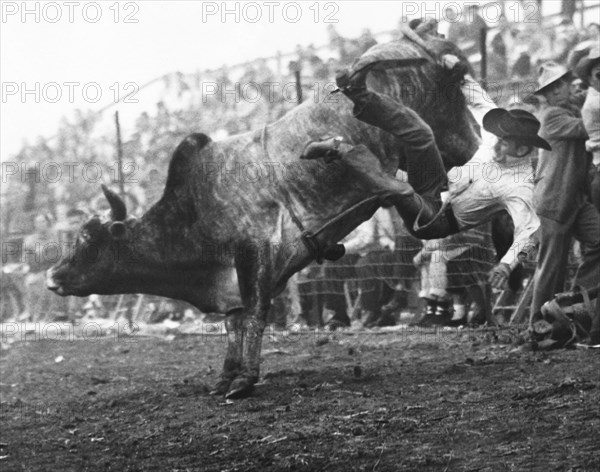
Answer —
(84, 237)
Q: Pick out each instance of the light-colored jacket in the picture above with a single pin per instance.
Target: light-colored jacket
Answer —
(590, 113)
(484, 186)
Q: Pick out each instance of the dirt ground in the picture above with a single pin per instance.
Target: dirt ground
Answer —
(406, 400)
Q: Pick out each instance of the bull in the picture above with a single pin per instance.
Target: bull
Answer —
(248, 208)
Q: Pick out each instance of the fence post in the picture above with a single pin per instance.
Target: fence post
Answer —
(483, 50)
(120, 155)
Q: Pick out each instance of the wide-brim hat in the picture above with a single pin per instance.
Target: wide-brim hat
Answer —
(585, 64)
(517, 124)
(549, 73)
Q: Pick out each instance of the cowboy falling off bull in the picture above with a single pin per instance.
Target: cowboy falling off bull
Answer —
(432, 206)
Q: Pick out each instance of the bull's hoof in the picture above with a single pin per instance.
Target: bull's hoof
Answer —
(241, 387)
(221, 387)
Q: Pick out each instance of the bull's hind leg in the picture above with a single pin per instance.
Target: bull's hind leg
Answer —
(233, 358)
(366, 168)
(363, 164)
(254, 277)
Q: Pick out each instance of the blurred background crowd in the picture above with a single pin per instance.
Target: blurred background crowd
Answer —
(53, 185)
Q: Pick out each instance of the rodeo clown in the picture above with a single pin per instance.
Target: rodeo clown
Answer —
(509, 140)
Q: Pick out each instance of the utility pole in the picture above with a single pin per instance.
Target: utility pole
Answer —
(120, 156)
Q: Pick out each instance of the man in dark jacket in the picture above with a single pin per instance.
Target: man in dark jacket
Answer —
(561, 194)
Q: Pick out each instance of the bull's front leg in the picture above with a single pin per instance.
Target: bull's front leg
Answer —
(243, 384)
(254, 277)
(232, 365)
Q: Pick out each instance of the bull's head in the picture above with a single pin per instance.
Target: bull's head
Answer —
(430, 89)
(456, 131)
(95, 263)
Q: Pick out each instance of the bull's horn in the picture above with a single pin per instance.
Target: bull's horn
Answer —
(117, 205)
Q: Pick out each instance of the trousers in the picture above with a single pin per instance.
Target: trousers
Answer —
(424, 164)
(555, 241)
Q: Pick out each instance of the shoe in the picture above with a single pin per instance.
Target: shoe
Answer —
(392, 306)
(476, 321)
(386, 319)
(339, 320)
(443, 314)
(456, 323)
(371, 319)
(428, 318)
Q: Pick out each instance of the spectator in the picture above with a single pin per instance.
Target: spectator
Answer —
(338, 43)
(432, 262)
(577, 94)
(40, 251)
(366, 41)
(560, 195)
(67, 235)
(522, 66)
(403, 277)
(593, 32)
(153, 187)
(466, 32)
(447, 21)
(321, 288)
(458, 261)
(320, 71)
(425, 27)
(588, 70)
(67, 231)
(498, 68)
(566, 37)
(374, 242)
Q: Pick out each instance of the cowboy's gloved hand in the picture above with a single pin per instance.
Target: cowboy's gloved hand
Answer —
(449, 61)
(499, 276)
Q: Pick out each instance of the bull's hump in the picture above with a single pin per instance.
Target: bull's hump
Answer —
(194, 142)
(182, 157)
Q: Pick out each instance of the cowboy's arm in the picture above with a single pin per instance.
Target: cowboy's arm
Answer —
(524, 241)
(520, 207)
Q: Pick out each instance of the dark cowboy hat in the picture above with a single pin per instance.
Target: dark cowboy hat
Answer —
(517, 124)
(585, 64)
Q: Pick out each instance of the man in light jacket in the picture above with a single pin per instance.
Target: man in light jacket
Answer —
(588, 70)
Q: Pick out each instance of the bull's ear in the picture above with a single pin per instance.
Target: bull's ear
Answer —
(118, 230)
(117, 205)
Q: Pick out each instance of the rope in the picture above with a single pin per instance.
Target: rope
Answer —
(308, 237)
